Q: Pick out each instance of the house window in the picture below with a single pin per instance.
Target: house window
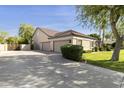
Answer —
(78, 42)
(69, 41)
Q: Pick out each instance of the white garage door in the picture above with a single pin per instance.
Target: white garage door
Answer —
(58, 44)
(46, 46)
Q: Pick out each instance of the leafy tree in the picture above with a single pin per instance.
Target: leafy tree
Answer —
(108, 35)
(25, 32)
(95, 36)
(1, 40)
(3, 36)
(12, 40)
(22, 41)
(120, 27)
(104, 16)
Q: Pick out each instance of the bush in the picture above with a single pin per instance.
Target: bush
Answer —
(113, 45)
(23, 41)
(122, 47)
(95, 49)
(108, 47)
(73, 52)
(105, 47)
(87, 51)
(101, 48)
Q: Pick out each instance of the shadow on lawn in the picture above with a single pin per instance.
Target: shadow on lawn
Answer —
(51, 70)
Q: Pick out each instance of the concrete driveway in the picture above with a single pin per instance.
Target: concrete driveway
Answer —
(35, 69)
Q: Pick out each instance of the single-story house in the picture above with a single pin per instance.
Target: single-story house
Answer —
(51, 40)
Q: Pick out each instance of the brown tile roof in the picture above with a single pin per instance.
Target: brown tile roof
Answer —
(70, 32)
(56, 34)
(48, 32)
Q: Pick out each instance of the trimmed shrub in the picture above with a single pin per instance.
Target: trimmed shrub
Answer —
(113, 45)
(105, 47)
(95, 49)
(108, 47)
(87, 51)
(101, 49)
(73, 52)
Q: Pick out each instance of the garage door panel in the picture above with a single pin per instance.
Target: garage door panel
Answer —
(58, 44)
(46, 46)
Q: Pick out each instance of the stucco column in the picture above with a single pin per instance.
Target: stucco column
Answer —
(74, 41)
(40, 45)
(51, 45)
(82, 42)
(5, 47)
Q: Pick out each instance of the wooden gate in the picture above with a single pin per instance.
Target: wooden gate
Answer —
(13, 47)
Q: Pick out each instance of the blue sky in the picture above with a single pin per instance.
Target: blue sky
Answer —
(55, 17)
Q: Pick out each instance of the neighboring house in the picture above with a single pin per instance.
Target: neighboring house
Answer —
(51, 40)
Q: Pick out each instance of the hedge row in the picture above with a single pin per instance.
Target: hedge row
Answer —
(73, 52)
(105, 47)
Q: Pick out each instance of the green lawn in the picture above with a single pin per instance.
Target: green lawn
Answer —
(102, 59)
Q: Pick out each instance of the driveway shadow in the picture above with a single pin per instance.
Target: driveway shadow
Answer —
(52, 70)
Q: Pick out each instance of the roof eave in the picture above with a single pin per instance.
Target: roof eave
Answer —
(72, 35)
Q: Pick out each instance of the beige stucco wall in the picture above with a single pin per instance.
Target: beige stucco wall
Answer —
(86, 45)
(62, 38)
(3, 47)
(51, 46)
(39, 37)
(25, 47)
(86, 42)
(73, 41)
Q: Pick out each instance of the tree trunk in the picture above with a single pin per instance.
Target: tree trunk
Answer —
(115, 56)
(103, 36)
(114, 17)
